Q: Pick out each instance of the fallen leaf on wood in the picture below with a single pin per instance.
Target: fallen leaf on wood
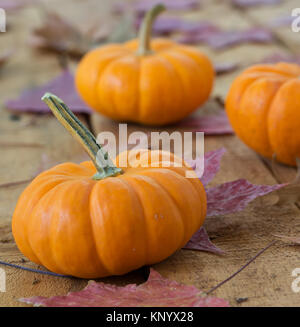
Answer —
(14, 5)
(217, 39)
(290, 193)
(252, 3)
(200, 241)
(143, 6)
(212, 161)
(289, 239)
(157, 291)
(169, 24)
(59, 35)
(278, 57)
(282, 20)
(226, 39)
(217, 124)
(234, 196)
(225, 67)
(63, 86)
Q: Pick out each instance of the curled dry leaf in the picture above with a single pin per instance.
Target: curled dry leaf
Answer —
(217, 124)
(234, 196)
(157, 291)
(62, 85)
(252, 3)
(217, 39)
(290, 193)
(200, 242)
(289, 239)
(59, 35)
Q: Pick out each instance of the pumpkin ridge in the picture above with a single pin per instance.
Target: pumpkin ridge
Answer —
(153, 181)
(269, 113)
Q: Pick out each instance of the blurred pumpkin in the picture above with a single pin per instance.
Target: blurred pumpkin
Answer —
(93, 220)
(150, 82)
(263, 106)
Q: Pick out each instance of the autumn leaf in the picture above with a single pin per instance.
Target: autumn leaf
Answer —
(157, 291)
(252, 3)
(234, 196)
(216, 124)
(200, 242)
(62, 85)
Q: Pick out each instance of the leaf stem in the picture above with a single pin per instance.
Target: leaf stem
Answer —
(146, 28)
(104, 165)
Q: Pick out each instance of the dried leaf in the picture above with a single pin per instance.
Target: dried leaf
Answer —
(14, 5)
(234, 196)
(252, 3)
(58, 34)
(143, 6)
(63, 86)
(290, 193)
(225, 67)
(200, 241)
(295, 240)
(209, 124)
(157, 292)
(227, 39)
(212, 161)
(278, 57)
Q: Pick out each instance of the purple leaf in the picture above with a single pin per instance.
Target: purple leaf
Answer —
(143, 6)
(251, 3)
(200, 241)
(210, 124)
(63, 86)
(156, 292)
(277, 57)
(234, 196)
(225, 67)
(227, 39)
(217, 39)
(212, 161)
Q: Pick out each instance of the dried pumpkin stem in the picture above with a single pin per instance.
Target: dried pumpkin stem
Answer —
(146, 28)
(100, 158)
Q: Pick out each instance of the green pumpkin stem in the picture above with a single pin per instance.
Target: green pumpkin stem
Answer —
(100, 158)
(146, 28)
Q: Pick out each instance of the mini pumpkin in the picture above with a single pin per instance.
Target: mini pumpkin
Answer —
(94, 219)
(263, 106)
(150, 82)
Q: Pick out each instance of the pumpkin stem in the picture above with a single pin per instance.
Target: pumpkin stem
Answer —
(100, 158)
(145, 29)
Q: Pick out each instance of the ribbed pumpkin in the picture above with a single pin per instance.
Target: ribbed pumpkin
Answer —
(153, 83)
(90, 221)
(263, 106)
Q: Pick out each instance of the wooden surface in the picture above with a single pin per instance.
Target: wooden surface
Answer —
(266, 282)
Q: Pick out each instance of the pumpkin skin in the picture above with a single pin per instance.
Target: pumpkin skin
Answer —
(263, 106)
(154, 89)
(78, 226)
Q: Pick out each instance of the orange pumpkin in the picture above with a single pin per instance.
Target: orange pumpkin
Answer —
(263, 106)
(153, 83)
(76, 221)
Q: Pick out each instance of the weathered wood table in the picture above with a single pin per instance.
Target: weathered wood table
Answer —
(26, 138)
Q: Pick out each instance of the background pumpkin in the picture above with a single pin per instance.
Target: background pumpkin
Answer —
(263, 106)
(80, 222)
(151, 82)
